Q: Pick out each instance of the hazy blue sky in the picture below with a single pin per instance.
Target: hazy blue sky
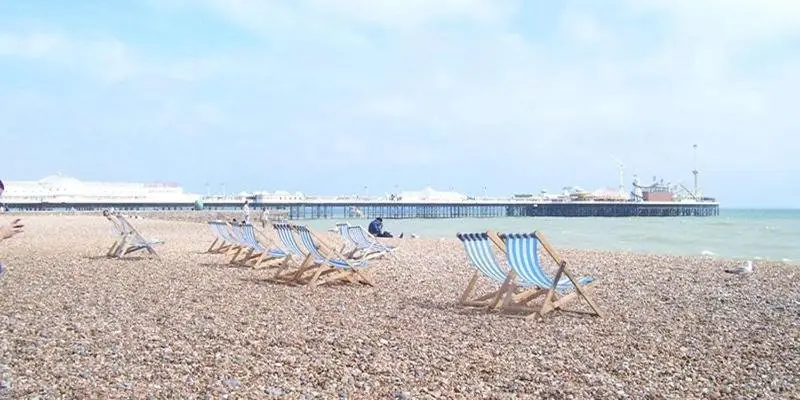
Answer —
(329, 96)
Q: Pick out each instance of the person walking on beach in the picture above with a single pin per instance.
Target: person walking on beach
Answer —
(246, 212)
(376, 228)
(264, 217)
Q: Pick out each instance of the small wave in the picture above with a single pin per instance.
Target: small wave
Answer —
(708, 253)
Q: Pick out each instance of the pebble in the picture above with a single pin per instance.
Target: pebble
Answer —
(77, 325)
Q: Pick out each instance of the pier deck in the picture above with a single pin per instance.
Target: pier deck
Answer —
(404, 210)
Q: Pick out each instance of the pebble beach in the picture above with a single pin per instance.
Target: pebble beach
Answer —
(78, 325)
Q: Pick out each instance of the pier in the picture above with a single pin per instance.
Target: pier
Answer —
(350, 209)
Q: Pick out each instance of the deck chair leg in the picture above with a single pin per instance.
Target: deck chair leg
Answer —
(365, 277)
(235, 255)
(211, 248)
(153, 252)
(506, 288)
(113, 249)
(289, 276)
(470, 288)
(314, 282)
(551, 304)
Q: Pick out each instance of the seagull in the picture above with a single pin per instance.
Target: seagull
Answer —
(747, 268)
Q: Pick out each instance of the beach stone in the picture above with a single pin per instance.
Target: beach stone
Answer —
(78, 325)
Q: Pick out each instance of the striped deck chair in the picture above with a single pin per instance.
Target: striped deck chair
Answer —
(259, 253)
(242, 246)
(133, 241)
(284, 273)
(119, 234)
(480, 249)
(344, 231)
(331, 268)
(223, 230)
(222, 238)
(231, 237)
(368, 245)
(522, 253)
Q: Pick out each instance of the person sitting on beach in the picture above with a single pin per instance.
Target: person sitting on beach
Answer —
(376, 228)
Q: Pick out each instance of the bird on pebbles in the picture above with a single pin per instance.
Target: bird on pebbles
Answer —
(747, 268)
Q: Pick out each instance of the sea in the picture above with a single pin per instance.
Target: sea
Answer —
(734, 234)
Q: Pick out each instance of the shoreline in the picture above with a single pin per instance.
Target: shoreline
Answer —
(204, 215)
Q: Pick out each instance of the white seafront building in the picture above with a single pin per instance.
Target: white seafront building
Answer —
(61, 189)
(57, 189)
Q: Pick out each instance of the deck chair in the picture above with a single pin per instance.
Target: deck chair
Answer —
(228, 241)
(222, 240)
(258, 253)
(344, 231)
(331, 268)
(235, 233)
(480, 249)
(133, 241)
(368, 245)
(119, 234)
(522, 254)
(285, 273)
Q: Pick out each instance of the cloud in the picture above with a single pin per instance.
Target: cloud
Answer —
(397, 16)
(663, 76)
(736, 22)
(107, 58)
(533, 87)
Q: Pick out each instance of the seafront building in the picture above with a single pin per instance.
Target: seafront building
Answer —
(58, 189)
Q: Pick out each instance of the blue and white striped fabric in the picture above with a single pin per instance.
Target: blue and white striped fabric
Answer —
(481, 255)
(308, 242)
(522, 253)
(215, 230)
(344, 231)
(362, 240)
(236, 234)
(284, 232)
(249, 236)
(221, 228)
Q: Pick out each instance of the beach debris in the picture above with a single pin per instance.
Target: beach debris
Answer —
(746, 268)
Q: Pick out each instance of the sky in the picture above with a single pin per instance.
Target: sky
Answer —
(363, 96)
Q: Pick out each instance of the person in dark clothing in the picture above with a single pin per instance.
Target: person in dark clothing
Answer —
(376, 228)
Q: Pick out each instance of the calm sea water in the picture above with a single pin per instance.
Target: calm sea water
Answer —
(752, 234)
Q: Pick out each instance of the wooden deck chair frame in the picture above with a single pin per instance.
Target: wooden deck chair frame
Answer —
(325, 270)
(508, 289)
(553, 299)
